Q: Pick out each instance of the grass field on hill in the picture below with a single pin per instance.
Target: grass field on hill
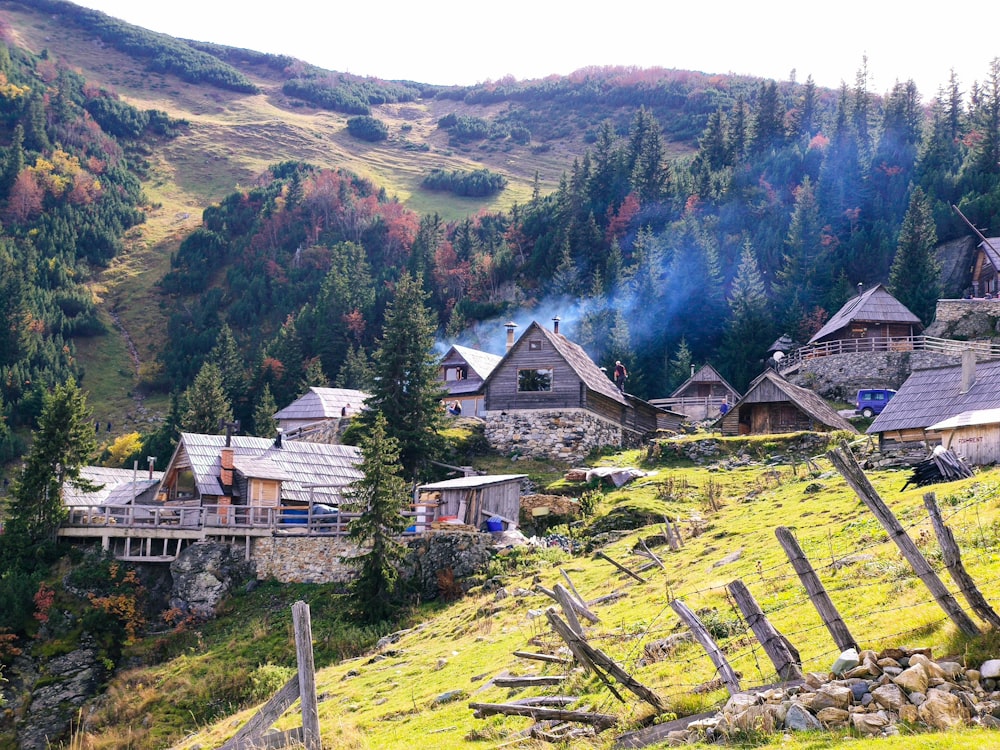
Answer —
(406, 692)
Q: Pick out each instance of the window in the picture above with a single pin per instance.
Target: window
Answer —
(534, 345)
(534, 380)
(184, 484)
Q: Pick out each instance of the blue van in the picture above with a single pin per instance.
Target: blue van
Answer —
(872, 401)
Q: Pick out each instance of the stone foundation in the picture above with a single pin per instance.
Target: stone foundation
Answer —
(965, 319)
(305, 559)
(840, 376)
(562, 435)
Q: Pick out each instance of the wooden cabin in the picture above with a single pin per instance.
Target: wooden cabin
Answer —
(986, 268)
(471, 500)
(318, 406)
(873, 315)
(973, 435)
(700, 396)
(934, 395)
(772, 405)
(544, 370)
(463, 373)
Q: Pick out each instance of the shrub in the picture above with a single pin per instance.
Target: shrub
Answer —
(367, 128)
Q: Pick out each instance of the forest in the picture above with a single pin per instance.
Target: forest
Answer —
(785, 198)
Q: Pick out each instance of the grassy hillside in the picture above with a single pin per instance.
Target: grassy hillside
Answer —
(418, 686)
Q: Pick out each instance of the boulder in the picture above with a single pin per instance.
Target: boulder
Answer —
(799, 719)
(831, 696)
(913, 679)
(204, 574)
(990, 669)
(889, 697)
(942, 710)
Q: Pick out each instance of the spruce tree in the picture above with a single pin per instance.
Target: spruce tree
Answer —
(206, 402)
(61, 446)
(750, 329)
(915, 277)
(380, 496)
(264, 423)
(406, 388)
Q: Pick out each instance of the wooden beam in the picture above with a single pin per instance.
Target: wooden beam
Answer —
(620, 567)
(542, 657)
(269, 713)
(776, 647)
(701, 634)
(307, 676)
(529, 681)
(541, 713)
(847, 465)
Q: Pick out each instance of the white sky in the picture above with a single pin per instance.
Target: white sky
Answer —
(461, 42)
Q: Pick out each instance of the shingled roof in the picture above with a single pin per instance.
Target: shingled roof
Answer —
(323, 403)
(705, 374)
(933, 395)
(116, 486)
(298, 464)
(808, 401)
(992, 249)
(875, 305)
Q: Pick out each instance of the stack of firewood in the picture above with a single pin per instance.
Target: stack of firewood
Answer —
(942, 466)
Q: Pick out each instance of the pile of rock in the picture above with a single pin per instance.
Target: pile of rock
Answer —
(871, 698)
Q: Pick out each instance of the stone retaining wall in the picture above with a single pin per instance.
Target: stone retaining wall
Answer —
(840, 376)
(303, 559)
(951, 311)
(562, 435)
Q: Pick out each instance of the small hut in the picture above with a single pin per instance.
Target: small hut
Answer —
(974, 435)
(471, 500)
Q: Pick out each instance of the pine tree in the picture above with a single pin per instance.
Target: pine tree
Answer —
(406, 389)
(806, 272)
(750, 330)
(768, 121)
(679, 368)
(226, 356)
(264, 423)
(380, 496)
(356, 372)
(915, 277)
(206, 402)
(61, 446)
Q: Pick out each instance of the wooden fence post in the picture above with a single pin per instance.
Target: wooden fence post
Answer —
(953, 561)
(847, 465)
(703, 637)
(817, 593)
(785, 663)
(302, 624)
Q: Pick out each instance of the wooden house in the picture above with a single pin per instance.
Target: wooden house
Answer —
(463, 373)
(934, 395)
(973, 435)
(871, 315)
(113, 487)
(471, 500)
(773, 405)
(544, 370)
(258, 473)
(986, 268)
(319, 406)
(701, 395)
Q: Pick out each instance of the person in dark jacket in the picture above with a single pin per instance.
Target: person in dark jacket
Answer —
(621, 375)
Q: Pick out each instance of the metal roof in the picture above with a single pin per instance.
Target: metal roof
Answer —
(875, 305)
(118, 486)
(323, 403)
(932, 395)
(482, 363)
(968, 419)
(468, 483)
(298, 464)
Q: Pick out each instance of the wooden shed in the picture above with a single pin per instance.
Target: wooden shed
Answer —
(772, 405)
(472, 500)
(986, 268)
(974, 435)
(701, 395)
(871, 315)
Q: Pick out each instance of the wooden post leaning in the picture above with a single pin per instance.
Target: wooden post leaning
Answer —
(953, 561)
(847, 465)
(785, 663)
(701, 634)
(817, 593)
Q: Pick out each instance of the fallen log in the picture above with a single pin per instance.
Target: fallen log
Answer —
(541, 713)
(523, 682)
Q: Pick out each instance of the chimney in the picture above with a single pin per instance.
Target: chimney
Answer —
(968, 371)
(226, 467)
(692, 369)
(152, 463)
(277, 439)
(555, 324)
(510, 334)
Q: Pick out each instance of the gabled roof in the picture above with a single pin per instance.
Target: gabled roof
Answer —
(117, 486)
(482, 363)
(932, 395)
(974, 418)
(875, 305)
(808, 401)
(705, 374)
(298, 464)
(992, 249)
(592, 376)
(323, 403)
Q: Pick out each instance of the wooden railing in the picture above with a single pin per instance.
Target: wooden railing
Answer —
(220, 519)
(983, 349)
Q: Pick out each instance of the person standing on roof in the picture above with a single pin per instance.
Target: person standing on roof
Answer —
(621, 375)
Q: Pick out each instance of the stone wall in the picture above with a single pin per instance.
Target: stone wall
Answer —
(840, 376)
(966, 319)
(303, 559)
(562, 435)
